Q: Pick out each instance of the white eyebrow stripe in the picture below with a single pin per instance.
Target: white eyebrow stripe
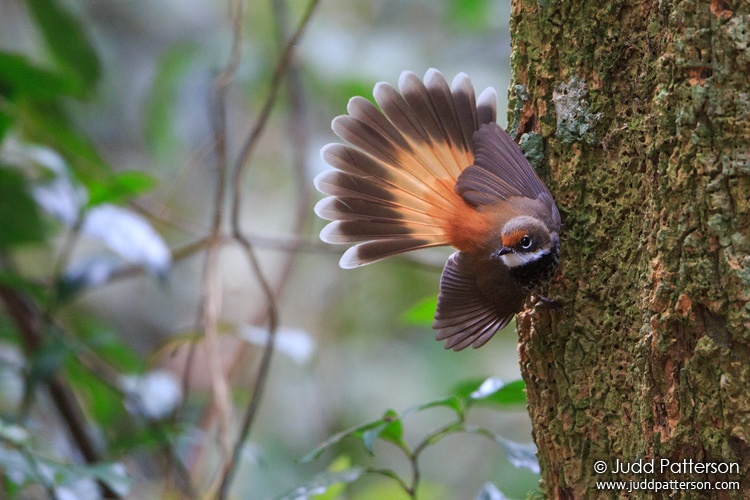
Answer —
(516, 259)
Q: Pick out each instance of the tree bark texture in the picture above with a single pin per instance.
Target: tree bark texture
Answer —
(637, 114)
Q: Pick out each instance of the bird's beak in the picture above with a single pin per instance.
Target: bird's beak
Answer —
(502, 251)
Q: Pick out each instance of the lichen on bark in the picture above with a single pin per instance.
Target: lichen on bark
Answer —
(641, 112)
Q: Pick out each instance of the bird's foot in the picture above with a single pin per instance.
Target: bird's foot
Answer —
(552, 304)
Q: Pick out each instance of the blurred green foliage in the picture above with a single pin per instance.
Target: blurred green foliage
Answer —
(160, 115)
(19, 214)
(32, 107)
(470, 14)
(64, 124)
(390, 428)
(66, 40)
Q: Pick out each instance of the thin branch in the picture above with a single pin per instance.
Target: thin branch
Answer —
(197, 158)
(29, 321)
(69, 243)
(242, 160)
(162, 214)
(296, 124)
(429, 440)
(391, 475)
(248, 147)
(211, 302)
(111, 378)
(36, 469)
(178, 254)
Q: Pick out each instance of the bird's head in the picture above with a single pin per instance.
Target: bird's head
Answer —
(524, 240)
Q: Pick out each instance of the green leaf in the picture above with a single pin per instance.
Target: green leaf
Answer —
(340, 464)
(337, 438)
(120, 187)
(18, 77)
(20, 221)
(389, 429)
(15, 281)
(107, 343)
(113, 475)
(46, 361)
(103, 403)
(6, 122)
(510, 393)
(422, 313)
(66, 40)
(48, 125)
(159, 124)
(393, 430)
(492, 391)
(451, 402)
(472, 14)
(391, 490)
(465, 388)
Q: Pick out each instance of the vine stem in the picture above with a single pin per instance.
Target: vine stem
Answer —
(242, 160)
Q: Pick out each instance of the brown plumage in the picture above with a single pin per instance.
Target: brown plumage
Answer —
(431, 168)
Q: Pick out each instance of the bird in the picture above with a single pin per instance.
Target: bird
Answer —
(429, 166)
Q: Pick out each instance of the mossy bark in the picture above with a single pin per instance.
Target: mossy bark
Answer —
(638, 116)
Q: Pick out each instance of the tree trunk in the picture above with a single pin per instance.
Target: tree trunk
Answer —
(638, 116)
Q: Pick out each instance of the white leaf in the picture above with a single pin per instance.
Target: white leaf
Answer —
(84, 487)
(114, 475)
(92, 271)
(490, 492)
(297, 344)
(520, 455)
(15, 466)
(59, 196)
(13, 433)
(129, 235)
(154, 395)
(488, 388)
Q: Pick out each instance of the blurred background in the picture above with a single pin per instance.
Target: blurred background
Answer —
(122, 168)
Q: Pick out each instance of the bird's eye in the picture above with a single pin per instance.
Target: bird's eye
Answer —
(526, 242)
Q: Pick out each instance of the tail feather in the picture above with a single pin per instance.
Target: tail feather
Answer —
(342, 231)
(443, 101)
(487, 106)
(428, 103)
(392, 189)
(373, 251)
(417, 97)
(355, 162)
(356, 209)
(395, 155)
(342, 185)
(466, 108)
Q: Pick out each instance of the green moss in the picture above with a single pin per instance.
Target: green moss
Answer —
(644, 118)
(517, 99)
(532, 146)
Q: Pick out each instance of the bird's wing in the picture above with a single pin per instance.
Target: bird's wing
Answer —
(502, 173)
(466, 315)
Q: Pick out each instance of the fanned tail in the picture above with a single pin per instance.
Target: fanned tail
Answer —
(392, 187)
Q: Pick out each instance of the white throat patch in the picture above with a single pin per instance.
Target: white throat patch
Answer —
(516, 259)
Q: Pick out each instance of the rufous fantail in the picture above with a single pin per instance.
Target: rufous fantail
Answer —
(430, 168)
